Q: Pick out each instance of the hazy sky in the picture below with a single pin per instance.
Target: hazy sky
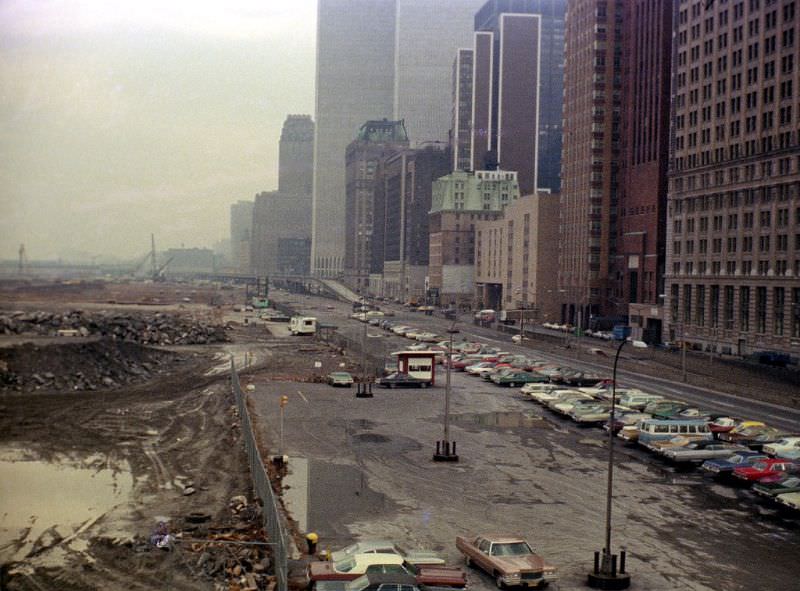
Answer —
(122, 118)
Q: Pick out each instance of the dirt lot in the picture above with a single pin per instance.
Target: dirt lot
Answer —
(87, 474)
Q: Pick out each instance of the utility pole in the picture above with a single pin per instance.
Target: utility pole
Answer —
(444, 451)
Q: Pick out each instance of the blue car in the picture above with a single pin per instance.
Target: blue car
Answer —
(719, 468)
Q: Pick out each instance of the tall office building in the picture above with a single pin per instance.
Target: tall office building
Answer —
(400, 241)
(296, 156)
(461, 117)
(641, 252)
(733, 221)
(517, 78)
(375, 140)
(355, 83)
(281, 220)
(592, 87)
(241, 228)
(377, 59)
(427, 35)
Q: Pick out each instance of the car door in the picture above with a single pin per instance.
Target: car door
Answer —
(483, 558)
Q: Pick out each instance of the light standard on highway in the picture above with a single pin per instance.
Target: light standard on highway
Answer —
(605, 574)
(364, 389)
(445, 452)
(663, 297)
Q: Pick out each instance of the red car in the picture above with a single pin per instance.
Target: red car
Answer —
(762, 468)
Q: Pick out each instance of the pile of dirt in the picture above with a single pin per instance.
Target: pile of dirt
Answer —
(153, 328)
(103, 364)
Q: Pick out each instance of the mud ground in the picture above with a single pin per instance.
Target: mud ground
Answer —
(173, 435)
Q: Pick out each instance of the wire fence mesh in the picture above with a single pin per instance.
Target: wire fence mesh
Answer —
(273, 519)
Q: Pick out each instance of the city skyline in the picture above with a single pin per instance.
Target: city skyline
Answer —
(119, 121)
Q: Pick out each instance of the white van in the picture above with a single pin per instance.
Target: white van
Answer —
(303, 325)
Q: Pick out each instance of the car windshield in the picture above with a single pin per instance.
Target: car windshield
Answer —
(357, 584)
(345, 565)
(511, 549)
(760, 466)
(791, 482)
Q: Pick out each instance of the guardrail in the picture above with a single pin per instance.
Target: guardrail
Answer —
(271, 515)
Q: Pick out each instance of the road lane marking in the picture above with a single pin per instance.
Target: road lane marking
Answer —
(303, 397)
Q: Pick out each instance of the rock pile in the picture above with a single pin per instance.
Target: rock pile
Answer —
(223, 552)
(102, 364)
(153, 328)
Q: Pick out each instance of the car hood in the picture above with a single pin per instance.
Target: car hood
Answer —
(520, 563)
(321, 568)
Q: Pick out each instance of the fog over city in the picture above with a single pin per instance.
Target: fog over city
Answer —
(120, 119)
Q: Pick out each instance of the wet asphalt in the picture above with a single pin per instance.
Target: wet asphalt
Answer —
(362, 468)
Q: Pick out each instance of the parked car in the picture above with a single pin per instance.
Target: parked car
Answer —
(788, 483)
(545, 397)
(532, 387)
(731, 434)
(725, 467)
(790, 500)
(763, 468)
(475, 368)
(386, 547)
(696, 452)
(656, 429)
(787, 447)
(340, 378)
(637, 400)
(514, 378)
(759, 437)
(402, 380)
(592, 414)
(371, 582)
(661, 406)
(509, 559)
(355, 565)
(565, 407)
(582, 378)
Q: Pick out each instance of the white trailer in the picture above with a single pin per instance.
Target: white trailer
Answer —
(303, 325)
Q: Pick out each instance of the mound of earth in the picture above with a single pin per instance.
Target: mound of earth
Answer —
(102, 364)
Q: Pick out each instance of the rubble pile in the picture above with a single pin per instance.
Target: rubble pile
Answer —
(232, 554)
(154, 328)
(102, 364)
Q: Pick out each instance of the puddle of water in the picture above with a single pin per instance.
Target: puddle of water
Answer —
(324, 497)
(42, 503)
(502, 419)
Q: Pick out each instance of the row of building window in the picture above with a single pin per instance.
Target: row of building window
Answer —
(766, 268)
(742, 308)
(764, 244)
(717, 222)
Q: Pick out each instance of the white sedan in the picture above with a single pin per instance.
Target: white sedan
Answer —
(787, 447)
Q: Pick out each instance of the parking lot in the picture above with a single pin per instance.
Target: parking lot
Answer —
(362, 468)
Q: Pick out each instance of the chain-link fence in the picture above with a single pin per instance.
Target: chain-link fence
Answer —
(273, 520)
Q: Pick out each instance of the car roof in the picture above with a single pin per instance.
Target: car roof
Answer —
(501, 538)
(379, 558)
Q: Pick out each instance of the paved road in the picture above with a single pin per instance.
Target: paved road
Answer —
(362, 468)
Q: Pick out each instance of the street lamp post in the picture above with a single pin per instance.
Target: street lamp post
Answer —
(446, 449)
(364, 389)
(605, 574)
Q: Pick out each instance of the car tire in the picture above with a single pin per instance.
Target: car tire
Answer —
(498, 580)
(512, 384)
(392, 386)
(467, 561)
(423, 385)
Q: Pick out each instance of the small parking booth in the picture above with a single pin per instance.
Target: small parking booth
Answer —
(417, 364)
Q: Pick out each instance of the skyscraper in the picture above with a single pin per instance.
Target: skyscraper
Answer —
(517, 93)
(377, 59)
(296, 156)
(375, 140)
(592, 86)
(355, 83)
(639, 265)
(427, 36)
(733, 222)
(281, 220)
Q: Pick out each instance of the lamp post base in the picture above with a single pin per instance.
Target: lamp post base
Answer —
(606, 576)
(445, 452)
(363, 390)
(609, 581)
